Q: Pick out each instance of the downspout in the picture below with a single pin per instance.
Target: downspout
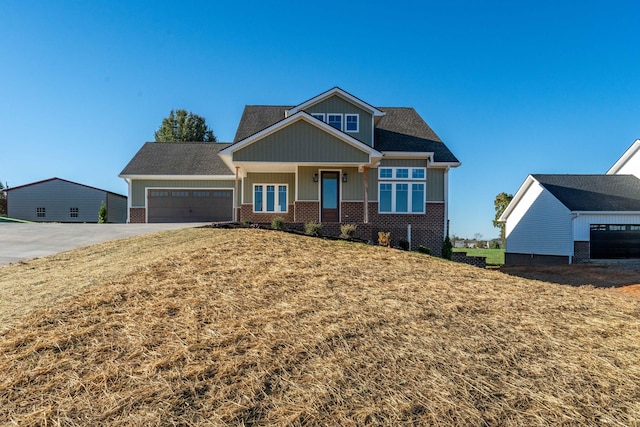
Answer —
(235, 198)
(446, 202)
(128, 181)
(365, 171)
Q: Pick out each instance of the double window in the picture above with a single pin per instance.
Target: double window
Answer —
(344, 122)
(401, 190)
(270, 198)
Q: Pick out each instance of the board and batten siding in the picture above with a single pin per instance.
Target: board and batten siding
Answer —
(139, 187)
(116, 208)
(539, 224)
(301, 142)
(57, 197)
(336, 104)
(582, 223)
(269, 178)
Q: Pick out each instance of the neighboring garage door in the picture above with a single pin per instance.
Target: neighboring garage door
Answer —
(189, 205)
(615, 241)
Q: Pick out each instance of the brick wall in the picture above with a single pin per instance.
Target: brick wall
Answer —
(581, 251)
(426, 230)
(352, 212)
(247, 214)
(534, 259)
(476, 261)
(137, 215)
(307, 212)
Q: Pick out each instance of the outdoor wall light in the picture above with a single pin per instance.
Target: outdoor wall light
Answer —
(344, 177)
(315, 177)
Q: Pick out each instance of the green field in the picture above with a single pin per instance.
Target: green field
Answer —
(494, 256)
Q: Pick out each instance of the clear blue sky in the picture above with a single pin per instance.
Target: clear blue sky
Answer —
(511, 87)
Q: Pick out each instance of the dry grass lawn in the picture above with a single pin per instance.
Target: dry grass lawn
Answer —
(255, 327)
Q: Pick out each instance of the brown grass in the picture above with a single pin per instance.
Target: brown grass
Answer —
(253, 327)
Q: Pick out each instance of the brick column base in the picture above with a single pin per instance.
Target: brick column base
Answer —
(137, 215)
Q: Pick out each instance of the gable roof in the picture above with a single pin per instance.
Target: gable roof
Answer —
(402, 129)
(399, 130)
(594, 193)
(624, 159)
(178, 158)
(341, 93)
(63, 180)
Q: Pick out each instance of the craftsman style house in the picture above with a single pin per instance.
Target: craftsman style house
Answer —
(332, 159)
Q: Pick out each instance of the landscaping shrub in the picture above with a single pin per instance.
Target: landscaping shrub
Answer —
(277, 223)
(424, 250)
(347, 231)
(404, 244)
(102, 214)
(447, 248)
(312, 228)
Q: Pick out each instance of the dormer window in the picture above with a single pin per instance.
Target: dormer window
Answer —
(335, 120)
(352, 122)
(319, 116)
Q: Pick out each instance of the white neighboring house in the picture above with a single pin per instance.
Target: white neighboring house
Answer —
(562, 219)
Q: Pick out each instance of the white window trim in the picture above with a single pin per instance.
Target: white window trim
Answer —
(357, 116)
(394, 185)
(319, 114)
(264, 198)
(394, 173)
(341, 120)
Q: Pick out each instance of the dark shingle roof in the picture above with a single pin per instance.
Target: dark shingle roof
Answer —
(178, 158)
(401, 129)
(594, 192)
(258, 117)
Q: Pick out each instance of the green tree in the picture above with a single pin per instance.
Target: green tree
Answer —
(103, 217)
(3, 201)
(183, 126)
(500, 203)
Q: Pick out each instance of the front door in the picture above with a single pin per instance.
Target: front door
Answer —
(330, 199)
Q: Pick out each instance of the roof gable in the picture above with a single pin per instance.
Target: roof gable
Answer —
(629, 162)
(336, 91)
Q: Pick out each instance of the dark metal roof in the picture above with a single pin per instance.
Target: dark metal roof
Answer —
(401, 129)
(614, 193)
(178, 158)
(63, 180)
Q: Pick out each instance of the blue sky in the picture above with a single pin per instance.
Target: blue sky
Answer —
(511, 87)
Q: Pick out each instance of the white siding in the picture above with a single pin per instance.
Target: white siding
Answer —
(631, 167)
(539, 224)
(582, 223)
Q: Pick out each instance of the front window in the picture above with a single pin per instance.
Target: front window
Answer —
(319, 116)
(270, 198)
(335, 120)
(401, 190)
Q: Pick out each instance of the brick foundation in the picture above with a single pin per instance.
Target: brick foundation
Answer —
(137, 215)
(307, 212)
(247, 214)
(581, 251)
(534, 259)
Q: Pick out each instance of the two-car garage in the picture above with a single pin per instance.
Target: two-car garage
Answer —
(189, 205)
(614, 241)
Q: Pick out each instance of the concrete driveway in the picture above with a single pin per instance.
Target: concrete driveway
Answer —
(25, 241)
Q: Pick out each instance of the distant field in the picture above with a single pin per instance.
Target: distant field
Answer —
(494, 256)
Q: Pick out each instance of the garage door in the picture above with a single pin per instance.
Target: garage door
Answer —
(615, 241)
(189, 205)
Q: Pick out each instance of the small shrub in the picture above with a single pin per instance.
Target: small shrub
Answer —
(246, 223)
(424, 250)
(312, 228)
(102, 214)
(347, 231)
(404, 244)
(277, 223)
(447, 248)
(384, 238)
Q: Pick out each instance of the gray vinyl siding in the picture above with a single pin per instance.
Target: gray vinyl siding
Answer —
(139, 186)
(300, 142)
(352, 190)
(57, 197)
(116, 208)
(336, 104)
(269, 178)
(435, 185)
(307, 189)
(404, 163)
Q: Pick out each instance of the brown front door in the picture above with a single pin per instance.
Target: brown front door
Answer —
(330, 199)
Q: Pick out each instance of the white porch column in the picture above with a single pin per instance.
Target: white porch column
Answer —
(235, 199)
